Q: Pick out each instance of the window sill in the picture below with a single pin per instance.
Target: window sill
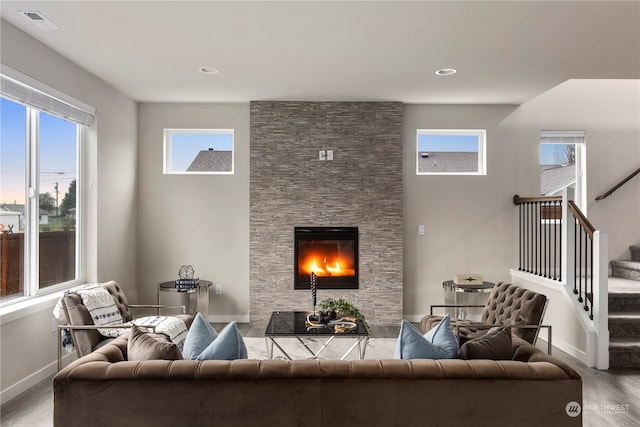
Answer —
(28, 307)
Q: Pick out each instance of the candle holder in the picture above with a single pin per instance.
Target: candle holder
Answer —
(313, 291)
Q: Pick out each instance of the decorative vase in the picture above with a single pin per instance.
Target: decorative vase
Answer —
(186, 272)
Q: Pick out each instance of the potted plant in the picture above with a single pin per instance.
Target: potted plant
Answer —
(342, 308)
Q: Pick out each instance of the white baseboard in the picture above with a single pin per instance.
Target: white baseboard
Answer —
(567, 348)
(32, 380)
(227, 318)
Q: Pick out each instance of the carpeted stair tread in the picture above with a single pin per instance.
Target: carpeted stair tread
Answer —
(624, 311)
(625, 269)
(624, 325)
(628, 343)
(624, 353)
(624, 295)
(625, 315)
(633, 265)
(618, 285)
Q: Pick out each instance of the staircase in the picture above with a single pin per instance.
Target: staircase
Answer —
(624, 312)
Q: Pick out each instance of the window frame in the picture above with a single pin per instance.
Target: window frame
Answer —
(578, 139)
(481, 134)
(167, 133)
(31, 251)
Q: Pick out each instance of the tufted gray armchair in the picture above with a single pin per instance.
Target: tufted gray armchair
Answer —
(85, 335)
(508, 304)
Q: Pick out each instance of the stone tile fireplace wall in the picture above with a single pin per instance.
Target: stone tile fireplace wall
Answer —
(361, 187)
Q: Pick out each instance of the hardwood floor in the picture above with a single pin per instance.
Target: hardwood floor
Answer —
(610, 398)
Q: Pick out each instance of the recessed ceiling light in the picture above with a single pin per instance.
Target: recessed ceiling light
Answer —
(446, 72)
(208, 70)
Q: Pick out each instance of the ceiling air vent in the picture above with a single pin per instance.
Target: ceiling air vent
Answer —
(39, 19)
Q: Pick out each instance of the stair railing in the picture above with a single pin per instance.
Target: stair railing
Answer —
(557, 242)
(583, 233)
(618, 185)
(540, 234)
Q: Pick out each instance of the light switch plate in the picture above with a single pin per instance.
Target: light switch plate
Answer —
(329, 154)
(322, 155)
(421, 230)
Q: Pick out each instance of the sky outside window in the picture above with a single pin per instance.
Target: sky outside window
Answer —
(451, 143)
(58, 153)
(553, 154)
(13, 124)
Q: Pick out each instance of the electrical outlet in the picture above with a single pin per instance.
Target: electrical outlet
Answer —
(218, 289)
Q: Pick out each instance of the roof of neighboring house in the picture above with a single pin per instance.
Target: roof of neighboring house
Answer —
(447, 161)
(12, 207)
(5, 211)
(212, 161)
(554, 178)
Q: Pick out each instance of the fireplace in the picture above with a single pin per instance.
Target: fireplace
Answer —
(330, 252)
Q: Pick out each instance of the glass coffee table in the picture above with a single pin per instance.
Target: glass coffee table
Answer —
(293, 324)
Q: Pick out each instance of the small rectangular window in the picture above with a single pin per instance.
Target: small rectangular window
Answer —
(451, 152)
(198, 151)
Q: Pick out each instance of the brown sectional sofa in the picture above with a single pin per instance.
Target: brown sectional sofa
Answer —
(104, 389)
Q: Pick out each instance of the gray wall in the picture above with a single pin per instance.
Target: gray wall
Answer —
(361, 187)
(200, 220)
(469, 220)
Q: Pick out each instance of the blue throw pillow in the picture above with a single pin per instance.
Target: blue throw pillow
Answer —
(438, 343)
(228, 345)
(442, 336)
(199, 336)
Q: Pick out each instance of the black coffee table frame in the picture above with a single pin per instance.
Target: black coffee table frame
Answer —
(292, 324)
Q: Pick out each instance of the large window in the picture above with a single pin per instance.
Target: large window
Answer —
(451, 152)
(198, 151)
(41, 188)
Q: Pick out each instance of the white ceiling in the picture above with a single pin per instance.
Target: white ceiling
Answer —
(505, 51)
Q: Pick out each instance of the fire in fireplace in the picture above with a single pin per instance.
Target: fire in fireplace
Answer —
(331, 253)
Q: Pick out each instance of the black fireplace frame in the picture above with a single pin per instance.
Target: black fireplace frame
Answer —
(302, 281)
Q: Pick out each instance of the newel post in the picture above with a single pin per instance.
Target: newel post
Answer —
(568, 236)
(601, 297)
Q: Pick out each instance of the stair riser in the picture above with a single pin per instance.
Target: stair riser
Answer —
(625, 273)
(620, 304)
(623, 328)
(624, 359)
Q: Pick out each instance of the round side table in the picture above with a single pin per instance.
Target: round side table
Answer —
(198, 295)
(463, 294)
